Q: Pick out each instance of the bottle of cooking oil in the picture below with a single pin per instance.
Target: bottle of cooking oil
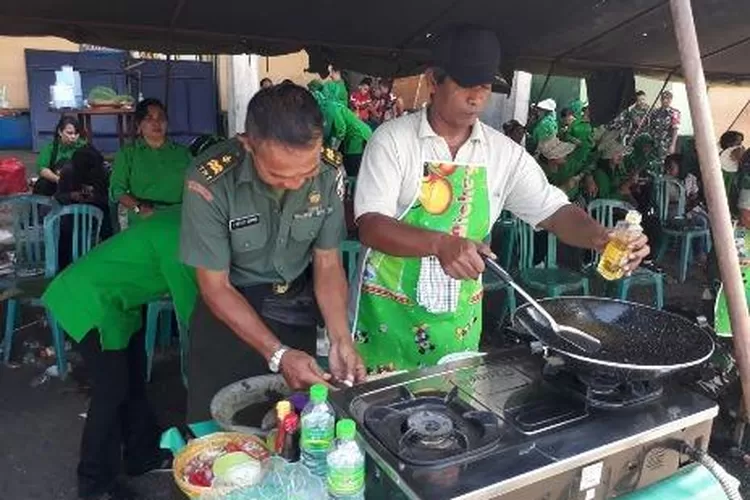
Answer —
(616, 252)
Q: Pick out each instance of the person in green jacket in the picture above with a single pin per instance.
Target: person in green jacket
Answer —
(564, 164)
(98, 302)
(546, 128)
(149, 174)
(335, 87)
(342, 128)
(51, 157)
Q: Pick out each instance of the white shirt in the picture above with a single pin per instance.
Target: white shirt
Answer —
(392, 168)
(728, 164)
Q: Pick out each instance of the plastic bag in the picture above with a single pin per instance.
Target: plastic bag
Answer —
(283, 481)
(12, 176)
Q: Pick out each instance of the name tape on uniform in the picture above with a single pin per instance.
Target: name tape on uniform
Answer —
(244, 221)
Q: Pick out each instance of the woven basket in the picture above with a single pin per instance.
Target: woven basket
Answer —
(196, 447)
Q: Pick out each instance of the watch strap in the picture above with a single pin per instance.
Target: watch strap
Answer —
(274, 364)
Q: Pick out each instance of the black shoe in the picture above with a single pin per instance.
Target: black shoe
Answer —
(118, 491)
(160, 462)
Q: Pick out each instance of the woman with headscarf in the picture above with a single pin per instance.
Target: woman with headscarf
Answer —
(149, 174)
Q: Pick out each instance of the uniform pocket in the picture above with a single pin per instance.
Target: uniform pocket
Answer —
(306, 228)
(249, 238)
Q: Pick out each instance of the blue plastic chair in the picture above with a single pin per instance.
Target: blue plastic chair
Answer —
(605, 212)
(685, 236)
(86, 226)
(549, 279)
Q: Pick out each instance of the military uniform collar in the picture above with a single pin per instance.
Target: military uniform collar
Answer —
(426, 130)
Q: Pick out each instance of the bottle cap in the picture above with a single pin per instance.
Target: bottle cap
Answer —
(318, 393)
(633, 217)
(282, 409)
(346, 429)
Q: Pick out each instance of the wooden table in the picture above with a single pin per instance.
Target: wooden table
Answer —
(124, 116)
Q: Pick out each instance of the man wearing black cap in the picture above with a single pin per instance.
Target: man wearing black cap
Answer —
(431, 186)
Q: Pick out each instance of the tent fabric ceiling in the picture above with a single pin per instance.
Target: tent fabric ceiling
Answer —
(576, 35)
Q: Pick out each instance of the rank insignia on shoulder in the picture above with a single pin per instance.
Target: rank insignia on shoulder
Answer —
(219, 164)
(332, 157)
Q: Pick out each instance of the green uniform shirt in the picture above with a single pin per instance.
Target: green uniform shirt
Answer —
(545, 129)
(156, 175)
(357, 133)
(234, 222)
(608, 183)
(106, 288)
(64, 153)
(574, 165)
(336, 91)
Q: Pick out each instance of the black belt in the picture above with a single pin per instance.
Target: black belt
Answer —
(291, 303)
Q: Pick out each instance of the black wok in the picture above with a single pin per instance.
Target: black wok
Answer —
(637, 341)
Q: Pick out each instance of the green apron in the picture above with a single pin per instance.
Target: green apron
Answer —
(394, 329)
(721, 310)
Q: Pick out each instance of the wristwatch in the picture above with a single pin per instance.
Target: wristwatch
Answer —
(275, 362)
(137, 209)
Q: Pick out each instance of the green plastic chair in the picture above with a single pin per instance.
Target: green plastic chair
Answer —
(350, 183)
(350, 250)
(549, 279)
(686, 236)
(605, 212)
(159, 326)
(505, 229)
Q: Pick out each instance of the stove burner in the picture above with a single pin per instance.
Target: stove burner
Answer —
(604, 390)
(434, 430)
(430, 427)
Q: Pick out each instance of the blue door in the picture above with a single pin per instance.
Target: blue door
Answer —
(193, 107)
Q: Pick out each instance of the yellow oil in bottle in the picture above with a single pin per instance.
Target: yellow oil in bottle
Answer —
(615, 256)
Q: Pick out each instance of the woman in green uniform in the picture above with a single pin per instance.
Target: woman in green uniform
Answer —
(98, 302)
(52, 156)
(150, 173)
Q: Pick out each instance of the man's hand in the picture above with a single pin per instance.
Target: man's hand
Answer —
(462, 259)
(639, 250)
(301, 371)
(591, 188)
(146, 210)
(346, 364)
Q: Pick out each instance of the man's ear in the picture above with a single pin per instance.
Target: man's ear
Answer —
(245, 141)
(431, 80)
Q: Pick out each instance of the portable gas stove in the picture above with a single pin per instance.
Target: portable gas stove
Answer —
(507, 426)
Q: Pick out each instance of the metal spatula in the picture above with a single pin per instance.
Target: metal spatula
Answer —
(581, 340)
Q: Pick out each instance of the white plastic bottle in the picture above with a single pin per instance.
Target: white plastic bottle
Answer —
(317, 423)
(346, 465)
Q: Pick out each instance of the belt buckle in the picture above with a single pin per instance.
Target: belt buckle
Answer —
(280, 288)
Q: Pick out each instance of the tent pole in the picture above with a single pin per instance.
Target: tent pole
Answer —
(718, 209)
(737, 118)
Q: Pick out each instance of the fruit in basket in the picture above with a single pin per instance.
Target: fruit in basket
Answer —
(202, 476)
(220, 461)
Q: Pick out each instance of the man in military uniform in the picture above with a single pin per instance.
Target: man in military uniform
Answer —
(258, 210)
